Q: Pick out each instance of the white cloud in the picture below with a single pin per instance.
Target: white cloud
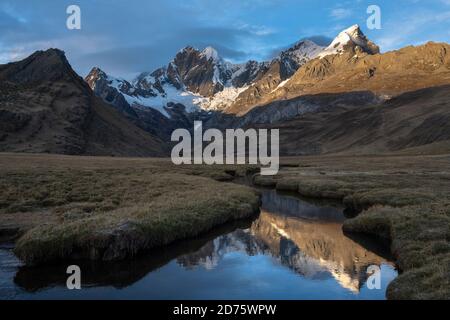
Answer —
(258, 30)
(340, 13)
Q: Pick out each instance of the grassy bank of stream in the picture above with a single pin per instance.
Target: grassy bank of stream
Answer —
(61, 207)
(404, 199)
(108, 209)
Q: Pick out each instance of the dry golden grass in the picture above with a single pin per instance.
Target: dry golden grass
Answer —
(106, 208)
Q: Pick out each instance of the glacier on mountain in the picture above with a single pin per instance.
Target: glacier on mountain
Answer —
(203, 80)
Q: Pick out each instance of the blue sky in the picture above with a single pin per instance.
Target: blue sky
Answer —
(125, 37)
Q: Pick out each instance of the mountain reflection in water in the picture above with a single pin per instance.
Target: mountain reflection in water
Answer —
(305, 238)
(292, 250)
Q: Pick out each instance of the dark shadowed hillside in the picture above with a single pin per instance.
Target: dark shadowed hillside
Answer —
(418, 119)
(45, 107)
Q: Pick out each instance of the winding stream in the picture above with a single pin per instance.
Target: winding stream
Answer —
(293, 250)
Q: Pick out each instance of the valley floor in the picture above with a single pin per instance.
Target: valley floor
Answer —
(111, 208)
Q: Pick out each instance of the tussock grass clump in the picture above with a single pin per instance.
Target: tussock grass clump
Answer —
(264, 181)
(420, 238)
(376, 221)
(287, 185)
(160, 220)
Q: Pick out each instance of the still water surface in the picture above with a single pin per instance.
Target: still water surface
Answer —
(294, 250)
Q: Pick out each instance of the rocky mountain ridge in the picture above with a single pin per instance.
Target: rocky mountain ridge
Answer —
(323, 99)
(45, 107)
(203, 81)
(200, 80)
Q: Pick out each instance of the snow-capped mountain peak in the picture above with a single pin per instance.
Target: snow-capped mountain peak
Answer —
(202, 79)
(95, 76)
(198, 79)
(211, 54)
(306, 47)
(98, 76)
(297, 55)
(352, 36)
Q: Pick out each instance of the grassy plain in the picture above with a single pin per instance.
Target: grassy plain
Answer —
(111, 208)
